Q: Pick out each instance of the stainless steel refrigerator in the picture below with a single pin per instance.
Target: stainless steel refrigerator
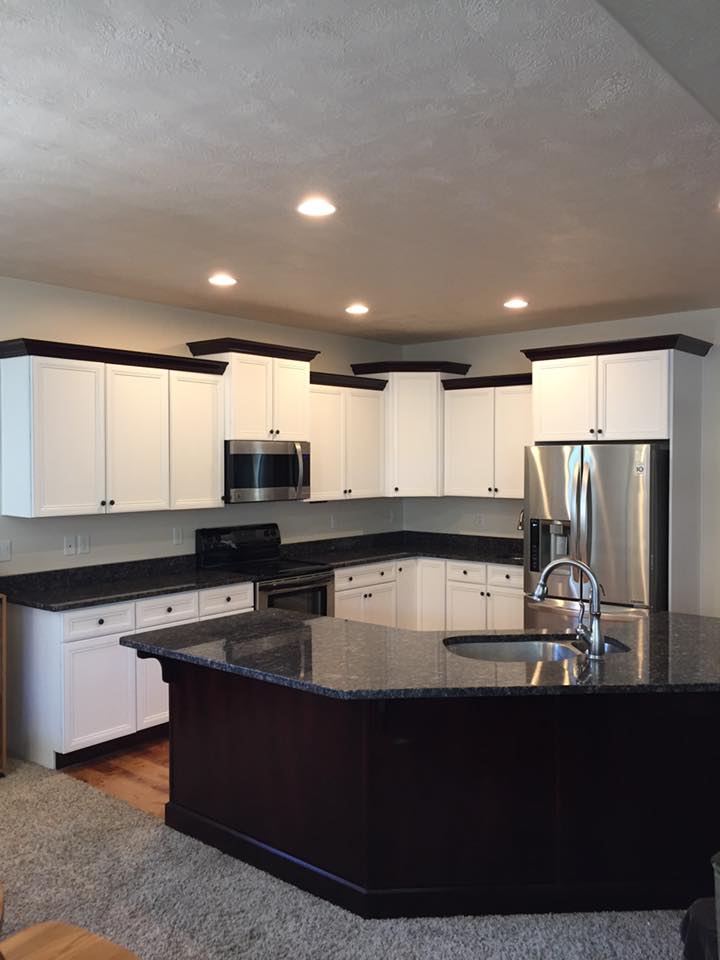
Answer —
(605, 504)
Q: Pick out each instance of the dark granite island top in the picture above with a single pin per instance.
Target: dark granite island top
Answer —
(377, 769)
(350, 660)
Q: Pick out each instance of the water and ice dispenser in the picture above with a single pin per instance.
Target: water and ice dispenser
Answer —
(549, 539)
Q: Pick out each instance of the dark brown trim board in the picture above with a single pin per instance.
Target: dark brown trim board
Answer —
(201, 348)
(26, 347)
(502, 380)
(411, 366)
(671, 341)
(342, 380)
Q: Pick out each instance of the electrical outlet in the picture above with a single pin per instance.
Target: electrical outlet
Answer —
(177, 535)
(83, 543)
(332, 521)
(69, 546)
(481, 520)
(5, 550)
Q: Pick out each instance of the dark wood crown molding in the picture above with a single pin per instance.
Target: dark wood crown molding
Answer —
(343, 380)
(201, 348)
(411, 366)
(501, 380)
(671, 341)
(27, 347)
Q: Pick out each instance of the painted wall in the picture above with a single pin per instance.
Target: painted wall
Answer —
(58, 313)
(501, 354)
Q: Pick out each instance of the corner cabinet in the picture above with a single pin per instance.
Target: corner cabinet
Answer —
(414, 439)
(620, 396)
(347, 442)
(82, 437)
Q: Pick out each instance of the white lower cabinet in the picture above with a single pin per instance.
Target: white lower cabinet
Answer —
(98, 686)
(367, 594)
(505, 609)
(431, 594)
(466, 606)
(349, 604)
(153, 705)
(476, 602)
(407, 594)
(381, 605)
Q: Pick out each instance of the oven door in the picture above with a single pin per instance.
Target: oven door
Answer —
(314, 594)
(266, 470)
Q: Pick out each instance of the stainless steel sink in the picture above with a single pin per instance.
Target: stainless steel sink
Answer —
(525, 648)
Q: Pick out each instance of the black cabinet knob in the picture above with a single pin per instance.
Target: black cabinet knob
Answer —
(364, 596)
(349, 491)
(488, 593)
(277, 433)
(507, 576)
(464, 573)
(496, 490)
(397, 489)
(382, 573)
(344, 491)
(349, 579)
(271, 432)
(599, 430)
(489, 489)
(482, 593)
(591, 430)
(369, 595)
(169, 609)
(228, 599)
(399, 569)
(112, 503)
(101, 621)
(103, 503)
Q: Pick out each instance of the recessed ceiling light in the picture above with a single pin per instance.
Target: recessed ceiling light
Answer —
(222, 280)
(515, 303)
(316, 207)
(357, 309)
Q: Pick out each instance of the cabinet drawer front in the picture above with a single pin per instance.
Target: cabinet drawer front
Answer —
(365, 575)
(467, 572)
(502, 575)
(99, 621)
(230, 599)
(156, 611)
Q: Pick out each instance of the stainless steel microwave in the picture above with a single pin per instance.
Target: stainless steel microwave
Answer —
(266, 470)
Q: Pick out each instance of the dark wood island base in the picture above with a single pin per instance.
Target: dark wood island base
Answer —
(436, 806)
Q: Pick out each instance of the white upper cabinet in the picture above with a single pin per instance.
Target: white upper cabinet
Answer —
(364, 442)
(564, 399)
(196, 440)
(634, 396)
(486, 432)
(414, 435)
(621, 396)
(266, 398)
(137, 438)
(513, 432)
(53, 437)
(469, 442)
(346, 440)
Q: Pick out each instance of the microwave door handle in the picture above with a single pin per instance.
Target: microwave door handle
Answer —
(298, 453)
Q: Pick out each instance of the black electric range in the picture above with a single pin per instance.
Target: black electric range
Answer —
(253, 552)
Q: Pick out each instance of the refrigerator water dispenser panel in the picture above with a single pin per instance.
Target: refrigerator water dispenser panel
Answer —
(549, 540)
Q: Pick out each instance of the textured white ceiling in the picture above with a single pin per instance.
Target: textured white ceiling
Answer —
(475, 149)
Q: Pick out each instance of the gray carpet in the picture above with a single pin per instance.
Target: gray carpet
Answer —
(69, 852)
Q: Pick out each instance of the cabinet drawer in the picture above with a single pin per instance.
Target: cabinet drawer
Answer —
(467, 572)
(229, 599)
(157, 611)
(99, 621)
(364, 576)
(501, 575)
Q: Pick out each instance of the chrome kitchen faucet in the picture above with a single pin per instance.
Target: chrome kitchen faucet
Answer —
(593, 636)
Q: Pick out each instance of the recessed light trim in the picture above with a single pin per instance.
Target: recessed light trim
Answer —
(316, 207)
(357, 309)
(516, 303)
(222, 280)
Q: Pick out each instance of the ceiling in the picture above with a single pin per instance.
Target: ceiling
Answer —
(476, 149)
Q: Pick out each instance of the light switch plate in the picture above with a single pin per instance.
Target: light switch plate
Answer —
(5, 550)
(83, 543)
(69, 546)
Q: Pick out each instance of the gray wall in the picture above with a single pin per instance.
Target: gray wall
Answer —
(57, 313)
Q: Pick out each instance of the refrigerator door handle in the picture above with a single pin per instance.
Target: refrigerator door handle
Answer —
(575, 517)
(585, 537)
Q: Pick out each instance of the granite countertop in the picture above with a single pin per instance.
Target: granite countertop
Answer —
(75, 587)
(348, 660)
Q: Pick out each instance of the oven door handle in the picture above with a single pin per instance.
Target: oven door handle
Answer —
(293, 584)
(301, 470)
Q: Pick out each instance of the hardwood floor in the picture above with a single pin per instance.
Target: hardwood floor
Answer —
(138, 775)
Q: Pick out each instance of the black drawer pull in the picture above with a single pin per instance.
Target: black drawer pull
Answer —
(382, 573)
(507, 576)
(103, 503)
(101, 621)
(169, 609)
(464, 573)
(349, 579)
(228, 599)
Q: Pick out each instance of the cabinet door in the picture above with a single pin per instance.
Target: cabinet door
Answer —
(68, 428)
(513, 432)
(98, 691)
(153, 702)
(138, 442)
(381, 605)
(248, 397)
(407, 594)
(431, 594)
(469, 439)
(196, 440)
(350, 604)
(327, 443)
(634, 396)
(291, 399)
(413, 441)
(564, 399)
(365, 442)
(505, 609)
(466, 606)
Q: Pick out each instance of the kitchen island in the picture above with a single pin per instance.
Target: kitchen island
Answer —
(387, 772)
